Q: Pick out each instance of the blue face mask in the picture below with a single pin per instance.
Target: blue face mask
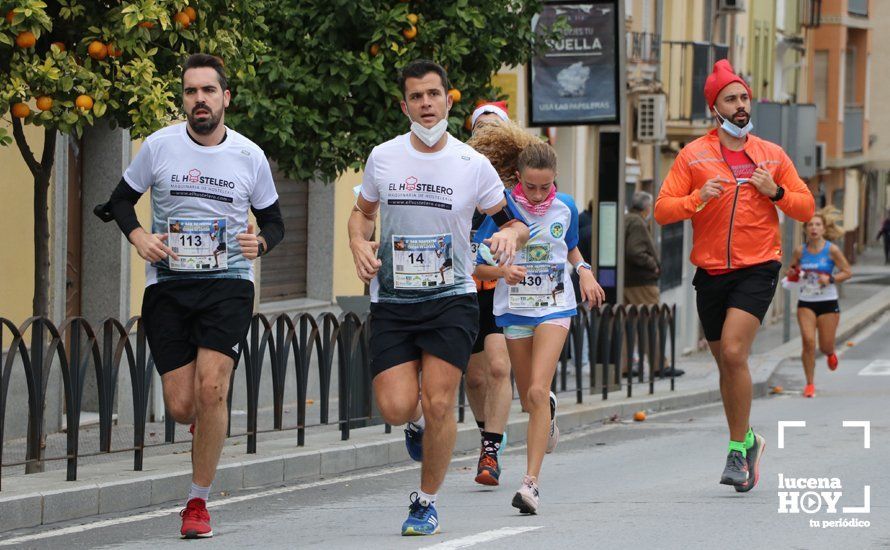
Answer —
(732, 129)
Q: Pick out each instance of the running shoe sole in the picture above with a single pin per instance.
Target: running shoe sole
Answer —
(523, 505)
(191, 535)
(410, 532)
(753, 473)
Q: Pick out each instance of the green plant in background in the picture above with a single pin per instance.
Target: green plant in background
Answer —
(65, 65)
(326, 90)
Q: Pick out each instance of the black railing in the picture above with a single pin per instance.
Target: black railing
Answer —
(287, 342)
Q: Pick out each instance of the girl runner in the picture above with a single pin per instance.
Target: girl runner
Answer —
(535, 317)
(812, 271)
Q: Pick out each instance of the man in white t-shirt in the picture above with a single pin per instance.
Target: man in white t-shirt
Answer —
(198, 303)
(425, 318)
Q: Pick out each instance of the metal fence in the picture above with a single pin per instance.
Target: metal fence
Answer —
(286, 344)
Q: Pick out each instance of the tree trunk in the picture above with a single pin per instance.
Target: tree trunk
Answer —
(41, 171)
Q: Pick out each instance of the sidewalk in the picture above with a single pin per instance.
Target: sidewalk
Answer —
(107, 484)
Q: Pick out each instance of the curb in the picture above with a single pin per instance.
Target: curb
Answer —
(37, 499)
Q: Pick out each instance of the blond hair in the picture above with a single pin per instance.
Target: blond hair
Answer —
(502, 144)
(831, 220)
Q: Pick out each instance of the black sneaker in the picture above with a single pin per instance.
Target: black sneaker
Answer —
(736, 471)
(753, 460)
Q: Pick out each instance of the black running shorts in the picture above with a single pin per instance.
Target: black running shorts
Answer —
(750, 289)
(487, 324)
(820, 308)
(444, 327)
(182, 315)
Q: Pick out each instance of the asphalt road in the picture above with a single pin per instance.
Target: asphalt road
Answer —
(621, 485)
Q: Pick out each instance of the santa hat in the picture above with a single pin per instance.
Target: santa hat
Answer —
(722, 77)
(497, 107)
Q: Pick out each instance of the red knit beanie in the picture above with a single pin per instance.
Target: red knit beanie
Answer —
(722, 76)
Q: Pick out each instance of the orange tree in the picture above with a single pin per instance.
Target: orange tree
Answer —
(67, 64)
(326, 90)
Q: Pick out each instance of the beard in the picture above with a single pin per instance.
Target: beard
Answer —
(206, 124)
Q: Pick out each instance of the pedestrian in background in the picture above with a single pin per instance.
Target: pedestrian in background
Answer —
(642, 268)
(885, 232)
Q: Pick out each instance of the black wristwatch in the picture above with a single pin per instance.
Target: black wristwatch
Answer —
(260, 249)
(780, 192)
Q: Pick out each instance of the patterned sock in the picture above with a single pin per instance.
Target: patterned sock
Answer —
(491, 442)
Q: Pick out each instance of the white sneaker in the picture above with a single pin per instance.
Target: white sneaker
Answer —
(554, 429)
(526, 498)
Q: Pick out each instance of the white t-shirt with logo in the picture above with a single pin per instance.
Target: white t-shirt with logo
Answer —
(199, 194)
(427, 202)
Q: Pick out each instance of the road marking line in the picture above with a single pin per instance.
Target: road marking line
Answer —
(487, 536)
(74, 529)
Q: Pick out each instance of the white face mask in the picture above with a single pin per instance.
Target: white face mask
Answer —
(430, 136)
(732, 129)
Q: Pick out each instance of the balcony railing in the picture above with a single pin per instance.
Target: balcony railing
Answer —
(643, 47)
(857, 7)
(684, 68)
(853, 118)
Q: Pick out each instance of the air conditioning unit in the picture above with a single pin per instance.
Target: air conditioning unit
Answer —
(731, 5)
(650, 117)
(821, 160)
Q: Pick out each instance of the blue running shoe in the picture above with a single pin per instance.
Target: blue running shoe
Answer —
(422, 520)
(414, 441)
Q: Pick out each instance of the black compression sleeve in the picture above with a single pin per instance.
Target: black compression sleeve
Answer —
(122, 203)
(271, 224)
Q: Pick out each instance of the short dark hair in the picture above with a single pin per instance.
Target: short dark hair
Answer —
(197, 60)
(421, 68)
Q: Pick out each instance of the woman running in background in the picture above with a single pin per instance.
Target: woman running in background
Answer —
(815, 268)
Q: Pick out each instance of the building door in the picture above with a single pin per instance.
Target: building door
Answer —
(75, 225)
(283, 273)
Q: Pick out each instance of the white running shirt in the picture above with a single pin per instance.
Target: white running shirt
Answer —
(190, 183)
(427, 202)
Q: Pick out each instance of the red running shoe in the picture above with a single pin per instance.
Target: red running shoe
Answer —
(192, 429)
(832, 361)
(195, 520)
(809, 390)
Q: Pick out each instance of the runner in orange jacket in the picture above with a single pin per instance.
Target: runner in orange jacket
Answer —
(729, 182)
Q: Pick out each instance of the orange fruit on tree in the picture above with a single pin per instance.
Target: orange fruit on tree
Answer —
(60, 45)
(455, 94)
(183, 19)
(412, 18)
(97, 50)
(639, 416)
(375, 49)
(9, 16)
(468, 124)
(20, 110)
(44, 103)
(113, 50)
(410, 33)
(146, 25)
(190, 11)
(84, 102)
(25, 40)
